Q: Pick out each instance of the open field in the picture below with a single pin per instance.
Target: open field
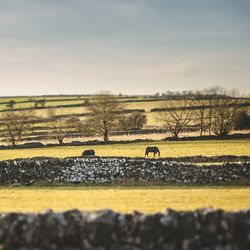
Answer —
(168, 149)
(123, 199)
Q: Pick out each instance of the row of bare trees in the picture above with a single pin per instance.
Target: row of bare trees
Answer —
(213, 111)
(105, 114)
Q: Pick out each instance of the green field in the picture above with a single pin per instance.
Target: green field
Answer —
(123, 199)
(168, 149)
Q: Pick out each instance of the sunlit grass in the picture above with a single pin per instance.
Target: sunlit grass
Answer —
(168, 149)
(123, 199)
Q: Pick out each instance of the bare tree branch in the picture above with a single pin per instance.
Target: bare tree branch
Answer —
(175, 120)
(105, 110)
(14, 124)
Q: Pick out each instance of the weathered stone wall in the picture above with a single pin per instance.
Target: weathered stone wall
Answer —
(118, 170)
(203, 229)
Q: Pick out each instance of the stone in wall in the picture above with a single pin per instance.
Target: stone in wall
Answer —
(100, 170)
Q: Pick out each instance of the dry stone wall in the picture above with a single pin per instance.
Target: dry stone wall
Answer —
(74, 230)
(100, 170)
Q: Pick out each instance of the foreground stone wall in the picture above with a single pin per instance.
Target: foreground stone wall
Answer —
(119, 170)
(201, 229)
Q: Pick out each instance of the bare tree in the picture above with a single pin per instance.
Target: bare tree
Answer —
(58, 128)
(14, 125)
(104, 109)
(212, 95)
(175, 119)
(225, 113)
(123, 123)
(223, 109)
(202, 112)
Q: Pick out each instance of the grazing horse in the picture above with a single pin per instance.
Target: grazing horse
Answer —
(153, 149)
(89, 152)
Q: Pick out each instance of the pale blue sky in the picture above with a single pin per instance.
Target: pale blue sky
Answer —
(128, 46)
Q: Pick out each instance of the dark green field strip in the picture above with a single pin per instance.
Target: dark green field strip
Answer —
(33, 99)
(64, 106)
(45, 107)
(74, 98)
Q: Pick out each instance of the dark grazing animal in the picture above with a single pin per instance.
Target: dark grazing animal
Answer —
(152, 149)
(88, 152)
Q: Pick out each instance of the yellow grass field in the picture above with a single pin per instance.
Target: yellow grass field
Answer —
(123, 199)
(147, 199)
(168, 149)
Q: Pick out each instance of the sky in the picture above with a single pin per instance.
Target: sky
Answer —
(125, 46)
